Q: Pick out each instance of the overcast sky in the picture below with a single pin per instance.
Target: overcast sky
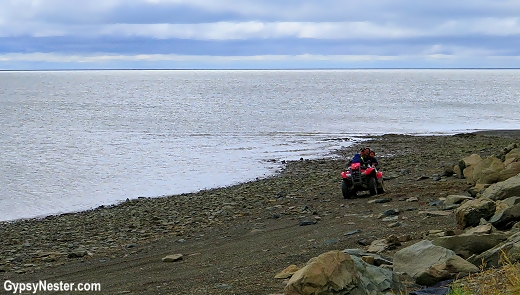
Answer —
(215, 34)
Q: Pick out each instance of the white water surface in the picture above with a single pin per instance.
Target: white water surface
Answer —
(75, 140)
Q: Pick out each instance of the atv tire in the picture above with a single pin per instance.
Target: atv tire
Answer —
(372, 186)
(347, 193)
(381, 188)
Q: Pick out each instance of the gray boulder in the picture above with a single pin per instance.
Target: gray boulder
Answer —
(428, 263)
(466, 245)
(337, 273)
(504, 253)
(470, 212)
(507, 218)
(504, 189)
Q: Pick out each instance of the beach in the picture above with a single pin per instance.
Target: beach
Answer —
(235, 239)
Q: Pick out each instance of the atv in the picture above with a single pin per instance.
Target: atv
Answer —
(360, 178)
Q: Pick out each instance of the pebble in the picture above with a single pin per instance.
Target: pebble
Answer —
(172, 258)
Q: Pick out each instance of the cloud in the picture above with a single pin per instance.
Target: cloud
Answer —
(386, 28)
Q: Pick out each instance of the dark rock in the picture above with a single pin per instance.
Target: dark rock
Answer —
(391, 212)
(352, 232)
(307, 222)
(383, 200)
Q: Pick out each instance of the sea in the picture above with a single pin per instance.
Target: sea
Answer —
(76, 140)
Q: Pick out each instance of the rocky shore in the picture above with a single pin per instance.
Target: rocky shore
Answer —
(234, 240)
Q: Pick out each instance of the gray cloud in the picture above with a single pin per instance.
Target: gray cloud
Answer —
(460, 29)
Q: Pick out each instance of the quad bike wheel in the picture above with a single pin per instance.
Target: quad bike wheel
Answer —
(372, 186)
(347, 193)
(381, 188)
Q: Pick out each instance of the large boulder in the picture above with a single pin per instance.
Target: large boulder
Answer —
(450, 268)
(471, 160)
(376, 280)
(512, 156)
(507, 218)
(504, 189)
(504, 253)
(333, 272)
(487, 170)
(466, 245)
(428, 264)
(470, 212)
(509, 171)
(336, 272)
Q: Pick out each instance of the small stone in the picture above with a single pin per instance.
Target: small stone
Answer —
(172, 258)
(391, 212)
(391, 218)
(380, 201)
(412, 199)
(352, 232)
(307, 222)
(395, 224)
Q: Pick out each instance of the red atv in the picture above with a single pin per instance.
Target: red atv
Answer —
(360, 178)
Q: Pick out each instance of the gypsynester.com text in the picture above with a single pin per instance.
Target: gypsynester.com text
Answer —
(44, 286)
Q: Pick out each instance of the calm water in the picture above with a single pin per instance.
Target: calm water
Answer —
(76, 140)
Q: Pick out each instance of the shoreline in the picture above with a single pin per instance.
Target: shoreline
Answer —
(281, 166)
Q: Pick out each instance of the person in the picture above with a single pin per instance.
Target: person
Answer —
(372, 161)
(360, 157)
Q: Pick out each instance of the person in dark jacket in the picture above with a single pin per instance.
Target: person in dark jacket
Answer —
(372, 161)
(360, 157)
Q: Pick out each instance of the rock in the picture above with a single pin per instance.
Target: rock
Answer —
(507, 218)
(352, 232)
(452, 267)
(412, 199)
(456, 199)
(172, 258)
(391, 212)
(504, 189)
(418, 259)
(487, 170)
(435, 213)
(510, 202)
(486, 228)
(458, 171)
(333, 272)
(307, 222)
(368, 259)
(470, 212)
(509, 171)
(380, 201)
(390, 218)
(495, 257)
(287, 272)
(468, 174)
(466, 245)
(78, 253)
(382, 245)
(512, 156)
(471, 160)
(376, 280)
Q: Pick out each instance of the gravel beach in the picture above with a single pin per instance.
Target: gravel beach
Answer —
(234, 240)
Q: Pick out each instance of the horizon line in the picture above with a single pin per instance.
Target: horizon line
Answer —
(249, 69)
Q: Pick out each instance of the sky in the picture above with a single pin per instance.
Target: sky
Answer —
(261, 34)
